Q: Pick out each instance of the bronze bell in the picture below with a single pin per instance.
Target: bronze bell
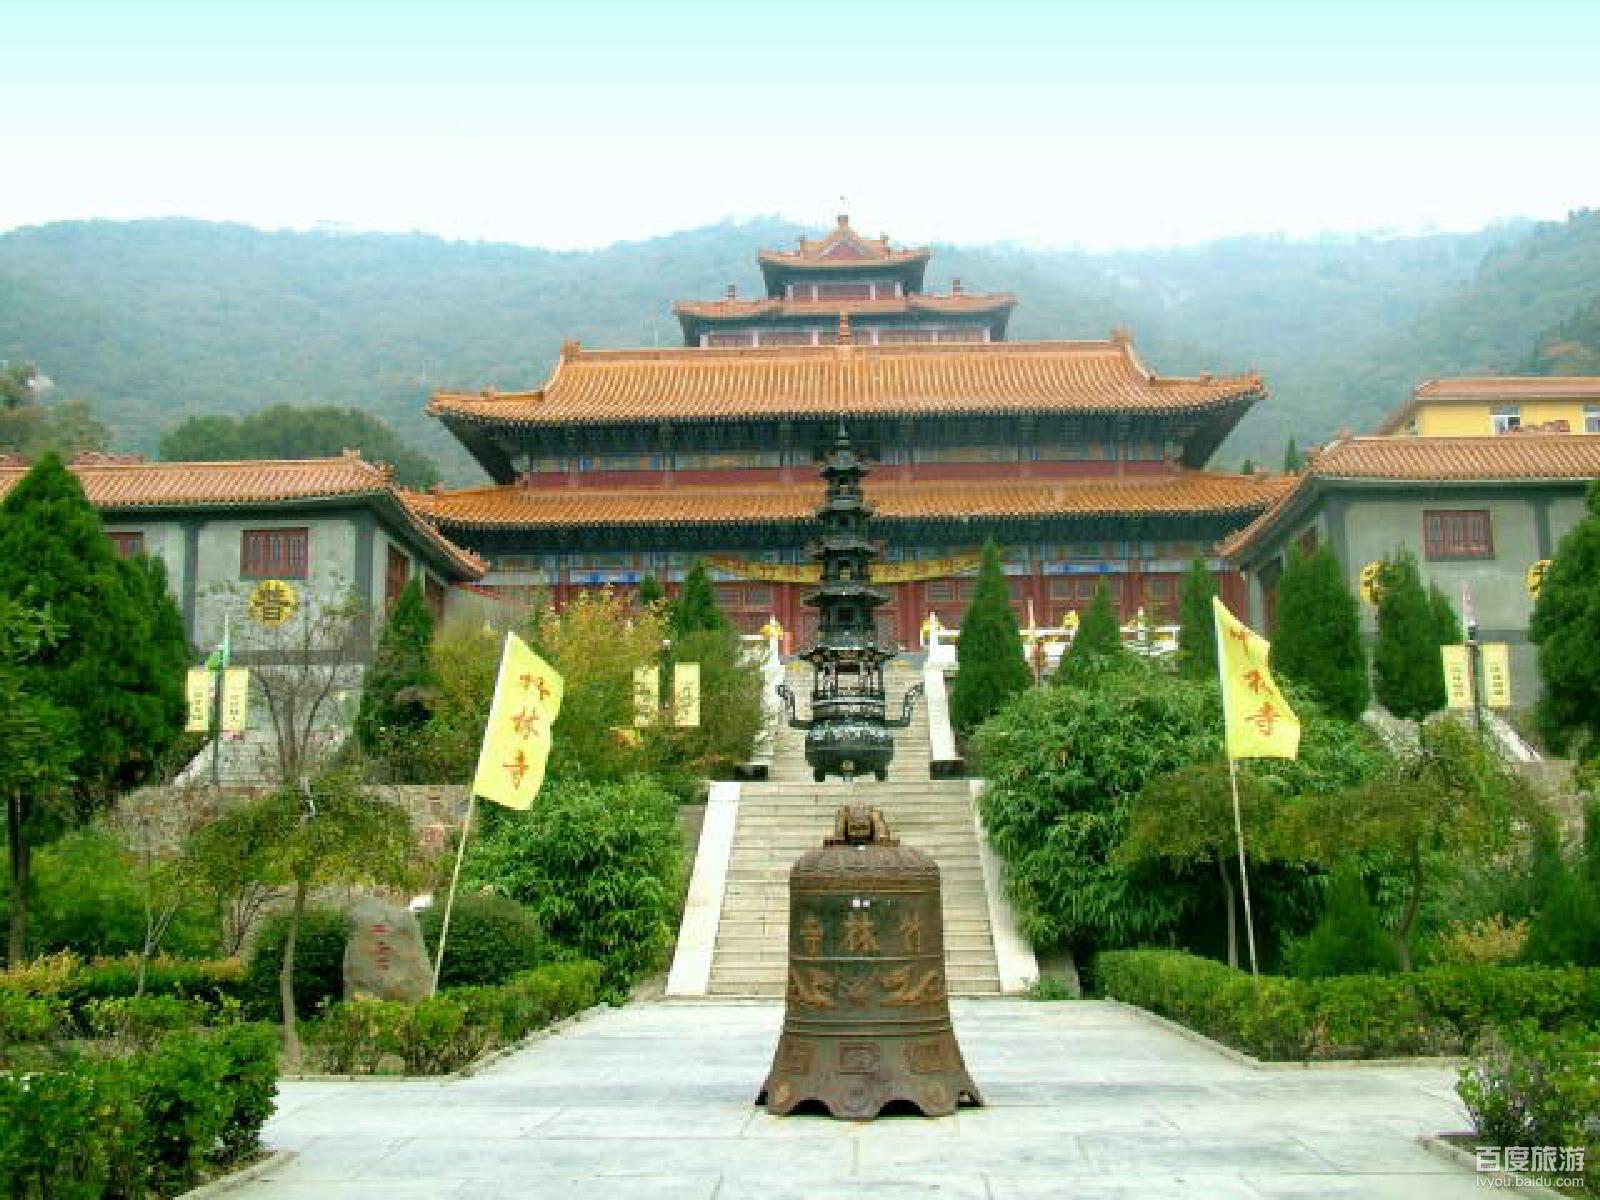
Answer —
(867, 1018)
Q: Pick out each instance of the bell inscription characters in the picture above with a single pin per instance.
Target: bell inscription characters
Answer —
(867, 1018)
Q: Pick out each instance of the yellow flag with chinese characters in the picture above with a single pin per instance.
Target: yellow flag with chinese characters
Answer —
(1259, 721)
(516, 742)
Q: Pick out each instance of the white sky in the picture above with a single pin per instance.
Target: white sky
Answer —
(577, 124)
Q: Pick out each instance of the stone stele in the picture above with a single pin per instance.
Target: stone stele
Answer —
(384, 955)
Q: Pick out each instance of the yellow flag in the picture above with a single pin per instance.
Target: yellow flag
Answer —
(197, 695)
(516, 743)
(1259, 721)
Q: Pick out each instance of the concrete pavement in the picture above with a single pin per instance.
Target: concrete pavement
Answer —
(1086, 1100)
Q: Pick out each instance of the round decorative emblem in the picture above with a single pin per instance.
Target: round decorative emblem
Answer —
(272, 602)
(782, 1094)
(937, 1095)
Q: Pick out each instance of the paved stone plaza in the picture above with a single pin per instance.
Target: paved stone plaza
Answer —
(1086, 1100)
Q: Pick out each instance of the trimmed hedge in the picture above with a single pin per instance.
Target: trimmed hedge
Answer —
(1439, 1010)
(153, 1123)
(450, 1030)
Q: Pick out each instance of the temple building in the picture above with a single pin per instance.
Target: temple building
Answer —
(1080, 462)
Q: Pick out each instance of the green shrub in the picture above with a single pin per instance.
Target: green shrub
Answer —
(1441, 1010)
(1566, 929)
(318, 963)
(121, 1127)
(140, 1022)
(1528, 1087)
(1349, 939)
(491, 939)
(449, 1031)
(600, 866)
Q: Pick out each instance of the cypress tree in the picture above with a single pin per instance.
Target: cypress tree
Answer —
(1407, 672)
(1197, 637)
(1349, 939)
(1098, 642)
(991, 665)
(109, 678)
(1317, 641)
(650, 591)
(1446, 625)
(1566, 628)
(696, 607)
(394, 693)
(1248, 467)
(1292, 461)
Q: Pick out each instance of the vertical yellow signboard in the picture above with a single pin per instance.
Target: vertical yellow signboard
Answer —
(1496, 674)
(646, 695)
(235, 700)
(197, 695)
(1457, 676)
(686, 694)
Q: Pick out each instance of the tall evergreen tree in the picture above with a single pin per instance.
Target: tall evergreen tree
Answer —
(107, 679)
(991, 665)
(1566, 628)
(1317, 641)
(1292, 460)
(1197, 635)
(394, 694)
(650, 591)
(1408, 675)
(1097, 643)
(696, 607)
(1446, 625)
(1247, 467)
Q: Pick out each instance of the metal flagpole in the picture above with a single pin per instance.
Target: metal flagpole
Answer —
(455, 878)
(1244, 874)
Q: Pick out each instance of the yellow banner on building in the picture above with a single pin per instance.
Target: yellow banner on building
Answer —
(686, 694)
(516, 742)
(235, 700)
(197, 696)
(1457, 676)
(887, 572)
(646, 695)
(1496, 658)
(1259, 721)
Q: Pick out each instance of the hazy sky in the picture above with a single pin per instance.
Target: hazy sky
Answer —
(1119, 122)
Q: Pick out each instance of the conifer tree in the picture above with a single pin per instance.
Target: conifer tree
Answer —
(1197, 635)
(650, 591)
(1566, 628)
(1098, 642)
(107, 679)
(1407, 673)
(1292, 460)
(394, 694)
(1317, 641)
(991, 664)
(1446, 625)
(1248, 467)
(696, 607)
(1349, 939)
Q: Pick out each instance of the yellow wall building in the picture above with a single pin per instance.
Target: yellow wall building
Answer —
(1474, 407)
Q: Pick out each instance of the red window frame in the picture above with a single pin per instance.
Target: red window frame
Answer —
(275, 553)
(127, 545)
(1457, 533)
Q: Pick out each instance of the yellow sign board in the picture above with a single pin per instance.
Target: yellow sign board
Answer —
(1457, 676)
(1534, 579)
(1496, 674)
(1370, 576)
(646, 695)
(686, 694)
(272, 602)
(197, 696)
(235, 700)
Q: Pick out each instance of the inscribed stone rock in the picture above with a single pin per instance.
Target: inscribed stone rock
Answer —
(384, 955)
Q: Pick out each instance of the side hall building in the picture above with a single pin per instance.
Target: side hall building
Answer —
(1083, 464)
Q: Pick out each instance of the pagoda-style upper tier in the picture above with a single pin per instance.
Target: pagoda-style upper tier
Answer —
(1038, 395)
(878, 287)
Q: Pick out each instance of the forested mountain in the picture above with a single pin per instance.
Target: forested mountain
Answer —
(1572, 347)
(156, 321)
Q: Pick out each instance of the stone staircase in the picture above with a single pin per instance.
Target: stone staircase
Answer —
(787, 814)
